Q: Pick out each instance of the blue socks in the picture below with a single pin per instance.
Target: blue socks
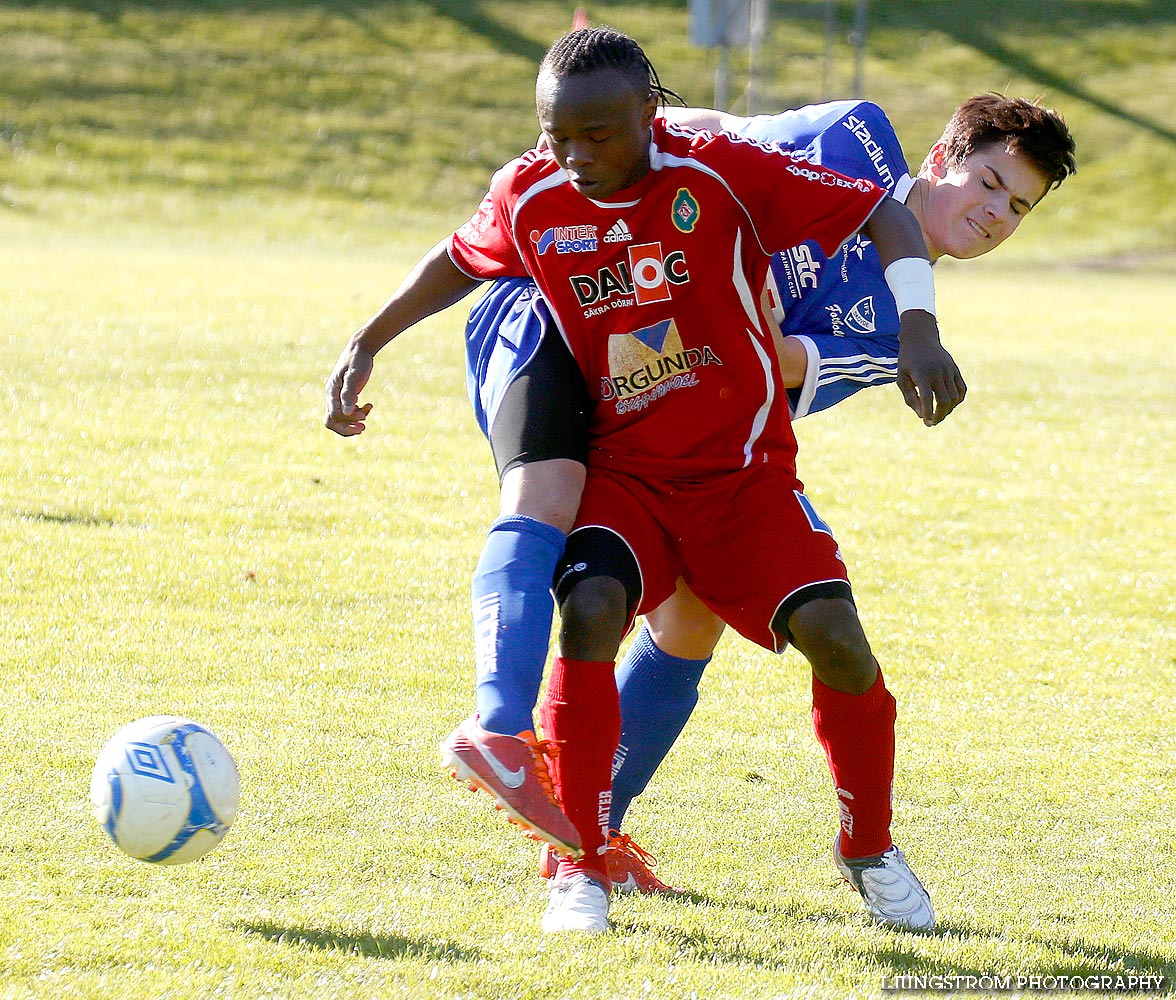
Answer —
(512, 613)
(512, 610)
(658, 693)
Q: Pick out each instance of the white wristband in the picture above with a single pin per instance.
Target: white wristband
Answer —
(911, 284)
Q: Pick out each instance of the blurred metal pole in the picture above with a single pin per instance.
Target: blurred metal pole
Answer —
(723, 77)
(830, 37)
(757, 30)
(859, 50)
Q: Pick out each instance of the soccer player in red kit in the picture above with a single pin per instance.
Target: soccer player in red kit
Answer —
(651, 244)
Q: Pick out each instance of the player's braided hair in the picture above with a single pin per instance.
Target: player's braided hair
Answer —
(1039, 134)
(588, 49)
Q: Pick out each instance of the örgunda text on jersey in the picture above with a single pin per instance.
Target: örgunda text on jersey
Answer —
(669, 371)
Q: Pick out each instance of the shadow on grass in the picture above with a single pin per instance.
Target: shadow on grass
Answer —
(367, 945)
(691, 898)
(774, 952)
(980, 26)
(84, 520)
(984, 26)
(905, 953)
(1079, 959)
(687, 898)
(1063, 85)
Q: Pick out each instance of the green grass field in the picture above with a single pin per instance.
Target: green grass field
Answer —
(181, 535)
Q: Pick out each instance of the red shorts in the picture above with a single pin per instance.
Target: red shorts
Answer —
(746, 542)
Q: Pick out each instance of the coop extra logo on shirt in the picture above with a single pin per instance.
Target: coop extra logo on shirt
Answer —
(646, 364)
(645, 276)
(828, 178)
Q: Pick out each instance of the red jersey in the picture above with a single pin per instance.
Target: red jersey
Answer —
(656, 290)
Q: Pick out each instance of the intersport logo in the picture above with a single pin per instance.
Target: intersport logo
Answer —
(565, 239)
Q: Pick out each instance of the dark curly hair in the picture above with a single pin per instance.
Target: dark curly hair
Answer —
(589, 49)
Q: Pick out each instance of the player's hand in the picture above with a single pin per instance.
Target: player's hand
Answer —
(344, 415)
(928, 376)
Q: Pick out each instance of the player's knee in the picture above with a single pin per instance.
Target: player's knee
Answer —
(830, 635)
(548, 491)
(593, 615)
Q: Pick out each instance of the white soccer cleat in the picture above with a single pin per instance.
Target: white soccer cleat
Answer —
(578, 903)
(893, 895)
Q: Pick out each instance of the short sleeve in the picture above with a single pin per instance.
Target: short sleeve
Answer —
(484, 247)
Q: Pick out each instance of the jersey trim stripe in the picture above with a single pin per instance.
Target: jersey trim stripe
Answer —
(615, 204)
(834, 371)
(761, 417)
(860, 377)
(543, 184)
(748, 301)
(659, 159)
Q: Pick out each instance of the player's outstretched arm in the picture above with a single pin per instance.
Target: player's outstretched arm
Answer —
(701, 118)
(928, 376)
(435, 283)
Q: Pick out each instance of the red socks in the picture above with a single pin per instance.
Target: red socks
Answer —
(856, 732)
(581, 713)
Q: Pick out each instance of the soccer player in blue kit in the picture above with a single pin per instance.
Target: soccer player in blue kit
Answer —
(996, 160)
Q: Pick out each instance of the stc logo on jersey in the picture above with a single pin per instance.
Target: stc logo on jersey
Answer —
(802, 268)
(565, 239)
(645, 365)
(647, 276)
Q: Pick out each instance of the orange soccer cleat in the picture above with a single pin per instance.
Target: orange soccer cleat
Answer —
(513, 770)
